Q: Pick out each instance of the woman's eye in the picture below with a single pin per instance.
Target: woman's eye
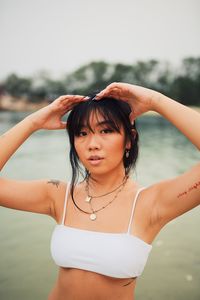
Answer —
(107, 130)
(82, 133)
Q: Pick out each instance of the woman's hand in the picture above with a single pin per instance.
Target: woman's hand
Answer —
(49, 117)
(140, 99)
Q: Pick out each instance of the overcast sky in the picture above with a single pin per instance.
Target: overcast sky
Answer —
(61, 35)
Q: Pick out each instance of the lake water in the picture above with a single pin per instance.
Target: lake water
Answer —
(27, 271)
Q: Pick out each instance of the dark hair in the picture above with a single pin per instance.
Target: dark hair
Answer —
(116, 112)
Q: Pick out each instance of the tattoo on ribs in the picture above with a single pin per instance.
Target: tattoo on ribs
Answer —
(129, 282)
(54, 182)
(193, 187)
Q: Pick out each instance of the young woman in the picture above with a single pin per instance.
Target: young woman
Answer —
(106, 223)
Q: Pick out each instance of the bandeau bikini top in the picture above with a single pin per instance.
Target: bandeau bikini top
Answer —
(119, 255)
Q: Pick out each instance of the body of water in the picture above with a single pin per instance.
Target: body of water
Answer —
(27, 271)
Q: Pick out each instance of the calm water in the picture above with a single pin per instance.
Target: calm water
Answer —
(27, 271)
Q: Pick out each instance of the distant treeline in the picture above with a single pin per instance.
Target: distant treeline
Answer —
(181, 83)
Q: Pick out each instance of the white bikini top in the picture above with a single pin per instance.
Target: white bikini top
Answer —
(119, 255)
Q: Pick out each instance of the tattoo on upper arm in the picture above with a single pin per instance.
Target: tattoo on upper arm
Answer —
(54, 182)
(193, 187)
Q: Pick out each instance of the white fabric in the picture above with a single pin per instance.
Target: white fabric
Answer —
(119, 255)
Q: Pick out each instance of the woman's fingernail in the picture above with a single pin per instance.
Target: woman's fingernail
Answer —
(96, 98)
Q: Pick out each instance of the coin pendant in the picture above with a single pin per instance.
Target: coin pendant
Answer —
(88, 199)
(93, 217)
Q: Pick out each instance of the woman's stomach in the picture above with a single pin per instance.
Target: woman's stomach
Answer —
(77, 284)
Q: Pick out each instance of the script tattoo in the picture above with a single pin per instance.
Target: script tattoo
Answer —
(54, 182)
(193, 187)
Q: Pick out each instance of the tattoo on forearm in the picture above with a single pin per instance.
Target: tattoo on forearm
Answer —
(193, 187)
(54, 182)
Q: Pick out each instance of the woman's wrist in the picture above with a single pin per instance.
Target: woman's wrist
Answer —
(157, 101)
(31, 123)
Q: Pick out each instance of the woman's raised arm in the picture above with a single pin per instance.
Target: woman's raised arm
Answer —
(142, 100)
(34, 195)
(182, 117)
(180, 194)
(49, 117)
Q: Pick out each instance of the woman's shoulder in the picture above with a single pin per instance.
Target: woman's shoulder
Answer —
(148, 194)
(56, 186)
(147, 189)
(57, 190)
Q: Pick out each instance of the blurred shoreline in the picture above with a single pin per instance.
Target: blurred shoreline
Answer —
(8, 103)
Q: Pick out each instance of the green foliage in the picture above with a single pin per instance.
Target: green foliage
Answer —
(17, 87)
(186, 86)
(88, 78)
(54, 88)
(38, 94)
(183, 84)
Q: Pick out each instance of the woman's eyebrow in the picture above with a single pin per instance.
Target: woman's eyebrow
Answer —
(98, 124)
(103, 123)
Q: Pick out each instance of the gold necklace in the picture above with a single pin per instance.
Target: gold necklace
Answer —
(90, 197)
(92, 214)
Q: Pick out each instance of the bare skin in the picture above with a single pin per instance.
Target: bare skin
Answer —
(157, 204)
(81, 284)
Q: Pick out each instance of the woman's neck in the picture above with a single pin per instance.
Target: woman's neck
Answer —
(106, 182)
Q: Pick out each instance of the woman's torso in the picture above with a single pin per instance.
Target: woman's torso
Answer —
(74, 283)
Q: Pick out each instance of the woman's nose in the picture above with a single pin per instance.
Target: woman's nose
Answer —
(93, 142)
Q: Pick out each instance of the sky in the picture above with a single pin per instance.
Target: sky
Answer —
(59, 36)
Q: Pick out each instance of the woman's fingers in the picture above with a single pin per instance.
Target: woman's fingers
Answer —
(63, 125)
(72, 99)
(104, 93)
(66, 101)
(65, 97)
(68, 98)
(113, 90)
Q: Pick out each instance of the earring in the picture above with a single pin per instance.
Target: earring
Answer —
(127, 152)
(133, 133)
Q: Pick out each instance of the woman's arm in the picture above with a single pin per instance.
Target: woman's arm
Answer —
(142, 100)
(49, 117)
(178, 195)
(182, 193)
(35, 195)
(181, 116)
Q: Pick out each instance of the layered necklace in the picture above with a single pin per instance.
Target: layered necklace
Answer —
(92, 214)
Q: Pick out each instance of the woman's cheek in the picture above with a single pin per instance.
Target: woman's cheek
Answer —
(80, 153)
(77, 147)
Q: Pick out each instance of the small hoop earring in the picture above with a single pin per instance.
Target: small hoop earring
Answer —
(127, 152)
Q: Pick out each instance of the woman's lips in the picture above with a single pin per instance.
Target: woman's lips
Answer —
(95, 160)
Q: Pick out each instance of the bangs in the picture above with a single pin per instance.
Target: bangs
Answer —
(106, 109)
(108, 112)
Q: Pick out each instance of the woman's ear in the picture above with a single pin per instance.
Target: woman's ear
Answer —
(128, 143)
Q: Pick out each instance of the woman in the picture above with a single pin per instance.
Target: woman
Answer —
(105, 224)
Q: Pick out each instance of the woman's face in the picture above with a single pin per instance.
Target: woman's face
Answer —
(101, 149)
